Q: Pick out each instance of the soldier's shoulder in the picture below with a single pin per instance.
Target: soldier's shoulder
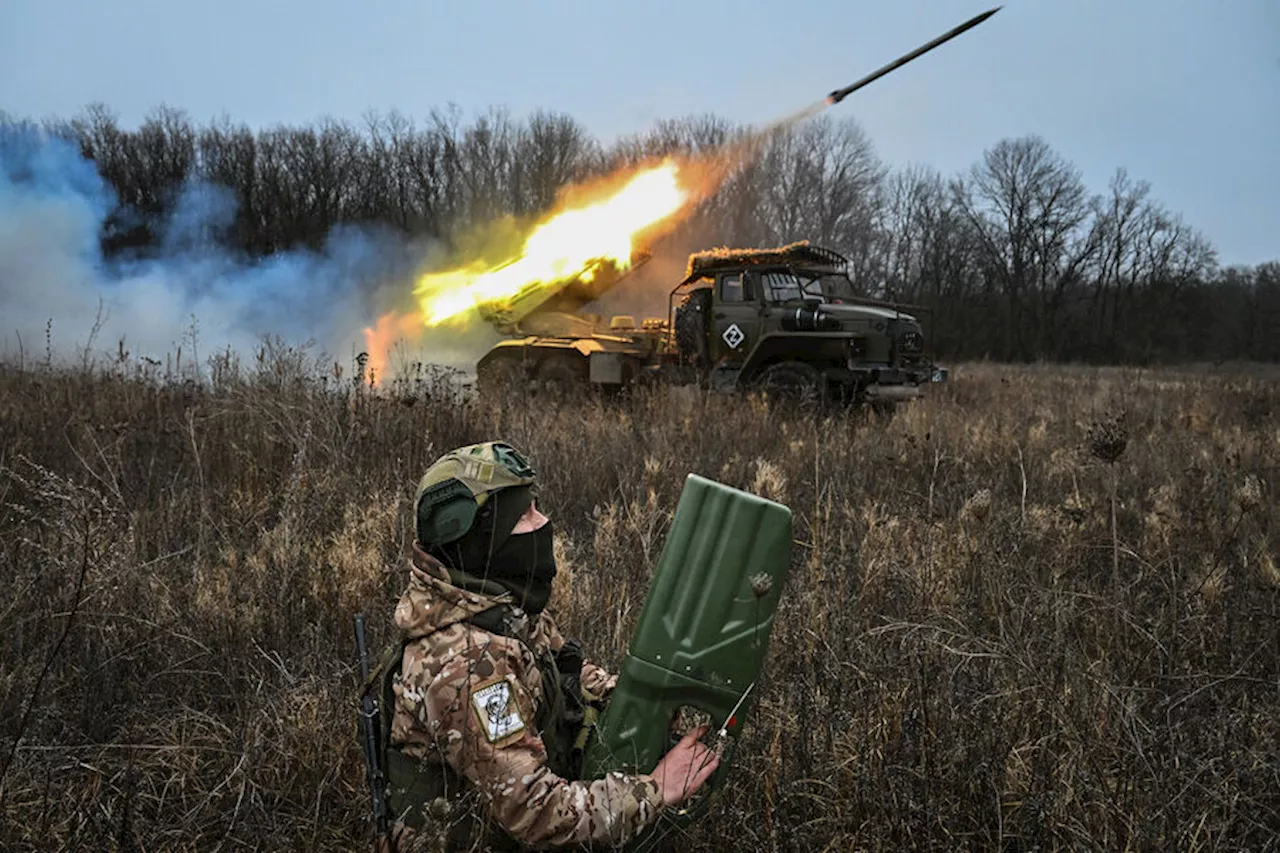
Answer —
(474, 664)
(438, 645)
(463, 649)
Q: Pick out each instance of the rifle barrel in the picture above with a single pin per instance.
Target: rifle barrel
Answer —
(360, 647)
(370, 731)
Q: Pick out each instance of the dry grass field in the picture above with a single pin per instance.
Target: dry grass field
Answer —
(1038, 610)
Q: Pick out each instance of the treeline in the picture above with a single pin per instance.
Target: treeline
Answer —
(1015, 258)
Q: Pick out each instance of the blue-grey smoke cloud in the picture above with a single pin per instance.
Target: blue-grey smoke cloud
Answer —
(190, 291)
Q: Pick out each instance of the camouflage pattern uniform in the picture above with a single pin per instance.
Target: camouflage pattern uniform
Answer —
(466, 701)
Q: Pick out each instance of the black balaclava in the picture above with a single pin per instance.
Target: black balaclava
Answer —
(490, 559)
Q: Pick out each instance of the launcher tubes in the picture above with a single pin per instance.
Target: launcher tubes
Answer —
(704, 629)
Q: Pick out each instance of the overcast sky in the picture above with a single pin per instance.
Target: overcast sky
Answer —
(1183, 93)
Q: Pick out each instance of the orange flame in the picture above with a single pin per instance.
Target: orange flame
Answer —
(565, 246)
(382, 337)
(561, 248)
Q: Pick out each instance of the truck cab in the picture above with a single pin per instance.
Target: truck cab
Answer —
(789, 320)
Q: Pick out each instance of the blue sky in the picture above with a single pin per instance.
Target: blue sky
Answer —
(1183, 93)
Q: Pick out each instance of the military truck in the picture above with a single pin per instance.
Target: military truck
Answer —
(785, 320)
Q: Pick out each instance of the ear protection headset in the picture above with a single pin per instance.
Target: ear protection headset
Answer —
(455, 489)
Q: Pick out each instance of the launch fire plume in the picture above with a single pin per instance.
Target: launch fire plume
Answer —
(617, 218)
(566, 245)
(562, 247)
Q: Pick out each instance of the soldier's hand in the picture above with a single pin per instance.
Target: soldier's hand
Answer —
(684, 769)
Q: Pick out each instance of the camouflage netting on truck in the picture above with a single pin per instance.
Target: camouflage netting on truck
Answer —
(800, 254)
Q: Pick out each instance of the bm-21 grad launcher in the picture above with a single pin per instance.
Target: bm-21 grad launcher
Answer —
(875, 351)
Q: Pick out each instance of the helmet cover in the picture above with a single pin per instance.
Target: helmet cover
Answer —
(459, 484)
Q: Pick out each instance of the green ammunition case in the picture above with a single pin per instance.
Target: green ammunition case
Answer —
(704, 630)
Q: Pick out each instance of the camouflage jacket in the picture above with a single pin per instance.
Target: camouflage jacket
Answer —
(469, 698)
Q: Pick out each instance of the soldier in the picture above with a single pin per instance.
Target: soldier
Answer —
(491, 704)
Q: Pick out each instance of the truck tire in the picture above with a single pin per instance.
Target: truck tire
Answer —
(562, 374)
(793, 383)
(691, 327)
(501, 376)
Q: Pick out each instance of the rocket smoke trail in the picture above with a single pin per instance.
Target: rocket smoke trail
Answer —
(840, 94)
(737, 153)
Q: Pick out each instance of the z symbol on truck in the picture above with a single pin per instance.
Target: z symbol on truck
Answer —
(733, 336)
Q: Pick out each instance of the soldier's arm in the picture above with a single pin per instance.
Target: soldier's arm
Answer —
(596, 680)
(486, 717)
(551, 631)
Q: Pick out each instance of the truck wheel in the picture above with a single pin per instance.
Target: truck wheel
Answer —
(562, 375)
(499, 377)
(794, 382)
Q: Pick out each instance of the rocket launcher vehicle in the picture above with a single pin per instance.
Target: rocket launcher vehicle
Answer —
(704, 630)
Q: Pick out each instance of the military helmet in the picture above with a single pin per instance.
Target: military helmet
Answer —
(462, 483)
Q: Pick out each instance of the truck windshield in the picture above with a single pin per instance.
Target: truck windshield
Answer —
(829, 287)
(785, 286)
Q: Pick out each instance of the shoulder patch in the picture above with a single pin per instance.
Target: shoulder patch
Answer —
(496, 709)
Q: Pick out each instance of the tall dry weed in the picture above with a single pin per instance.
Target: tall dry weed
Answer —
(992, 637)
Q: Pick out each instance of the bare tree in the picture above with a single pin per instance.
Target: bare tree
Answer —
(1027, 206)
(552, 152)
(1015, 256)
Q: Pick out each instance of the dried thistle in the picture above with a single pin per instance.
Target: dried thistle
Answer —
(440, 808)
(1107, 439)
(770, 482)
(1249, 493)
(978, 507)
(761, 584)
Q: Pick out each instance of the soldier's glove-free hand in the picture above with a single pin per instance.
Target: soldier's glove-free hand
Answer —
(685, 768)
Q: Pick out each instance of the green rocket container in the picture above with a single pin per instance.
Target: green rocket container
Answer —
(704, 630)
